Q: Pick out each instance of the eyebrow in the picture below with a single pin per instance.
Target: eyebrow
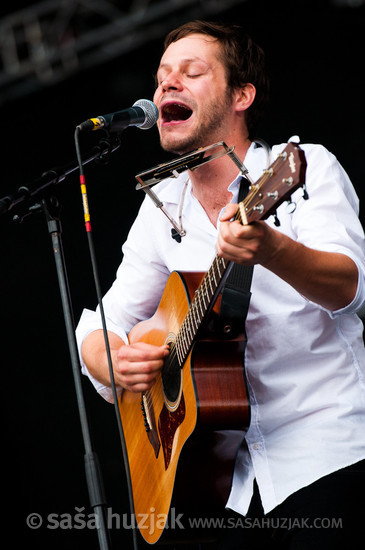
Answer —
(184, 61)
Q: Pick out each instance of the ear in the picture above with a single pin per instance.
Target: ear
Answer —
(245, 96)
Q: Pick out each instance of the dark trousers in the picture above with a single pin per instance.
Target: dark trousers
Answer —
(329, 514)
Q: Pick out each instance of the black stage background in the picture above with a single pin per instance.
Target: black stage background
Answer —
(315, 53)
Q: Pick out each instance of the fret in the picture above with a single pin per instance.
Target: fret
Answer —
(208, 276)
(215, 280)
(204, 294)
(180, 352)
(187, 341)
(200, 305)
(180, 356)
(197, 307)
(189, 327)
(219, 273)
(182, 344)
(208, 287)
(193, 319)
(190, 333)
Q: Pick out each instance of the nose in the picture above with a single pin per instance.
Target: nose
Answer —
(171, 81)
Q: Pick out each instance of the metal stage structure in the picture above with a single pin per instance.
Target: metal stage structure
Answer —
(48, 42)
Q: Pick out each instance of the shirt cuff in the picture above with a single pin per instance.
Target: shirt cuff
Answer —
(358, 303)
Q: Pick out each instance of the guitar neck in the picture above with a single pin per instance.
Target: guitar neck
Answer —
(201, 305)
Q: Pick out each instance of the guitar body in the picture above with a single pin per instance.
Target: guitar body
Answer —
(182, 445)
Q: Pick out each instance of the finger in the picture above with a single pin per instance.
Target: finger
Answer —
(232, 253)
(147, 369)
(230, 234)
(137, 376)
(136, 381)
(229, 212)
(140, 387)
(234, 243)
(141, 351)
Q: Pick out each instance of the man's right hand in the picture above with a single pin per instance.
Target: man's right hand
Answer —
(138, 365)
(135, 366)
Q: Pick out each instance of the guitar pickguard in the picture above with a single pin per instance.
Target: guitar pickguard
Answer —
(168, 423)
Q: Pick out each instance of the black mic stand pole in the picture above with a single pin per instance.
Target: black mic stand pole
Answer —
(40, 191)
(92, 468)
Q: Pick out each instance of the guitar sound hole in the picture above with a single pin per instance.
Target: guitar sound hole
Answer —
(171, 378)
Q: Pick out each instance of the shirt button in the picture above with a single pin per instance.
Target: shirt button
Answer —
(256, 446)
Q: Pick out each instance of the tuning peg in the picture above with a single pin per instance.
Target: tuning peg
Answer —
(305, 194)
(276, 220)
(291, 206)
(294, 139)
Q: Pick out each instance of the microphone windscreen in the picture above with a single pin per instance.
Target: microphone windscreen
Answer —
(150, 111)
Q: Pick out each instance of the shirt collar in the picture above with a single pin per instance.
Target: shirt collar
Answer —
(170, 189)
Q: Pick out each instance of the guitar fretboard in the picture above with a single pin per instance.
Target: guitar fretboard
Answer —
(203, 300)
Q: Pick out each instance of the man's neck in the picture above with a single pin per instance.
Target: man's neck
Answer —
(210, 182)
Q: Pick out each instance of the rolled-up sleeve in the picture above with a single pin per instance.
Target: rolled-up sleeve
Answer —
(329, 220)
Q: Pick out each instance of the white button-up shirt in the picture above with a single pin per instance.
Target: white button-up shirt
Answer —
(305, 365)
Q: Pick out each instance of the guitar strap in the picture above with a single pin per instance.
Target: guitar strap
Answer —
(236, 294)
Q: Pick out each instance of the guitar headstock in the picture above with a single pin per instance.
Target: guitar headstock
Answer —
(277, 184)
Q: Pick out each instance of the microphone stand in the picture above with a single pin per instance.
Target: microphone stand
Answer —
(40, 191)
(55, 176)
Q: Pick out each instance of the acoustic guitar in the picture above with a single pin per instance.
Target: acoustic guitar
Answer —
(182, 436)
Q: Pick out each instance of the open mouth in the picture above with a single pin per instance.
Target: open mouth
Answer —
(175, 112)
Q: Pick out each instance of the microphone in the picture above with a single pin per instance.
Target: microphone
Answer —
(143, 114)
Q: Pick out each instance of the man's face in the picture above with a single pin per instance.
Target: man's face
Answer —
(194, 103)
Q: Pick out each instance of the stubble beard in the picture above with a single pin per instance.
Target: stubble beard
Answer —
(209, 131)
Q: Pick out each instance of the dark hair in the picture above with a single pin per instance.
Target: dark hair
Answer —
(243, 58)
